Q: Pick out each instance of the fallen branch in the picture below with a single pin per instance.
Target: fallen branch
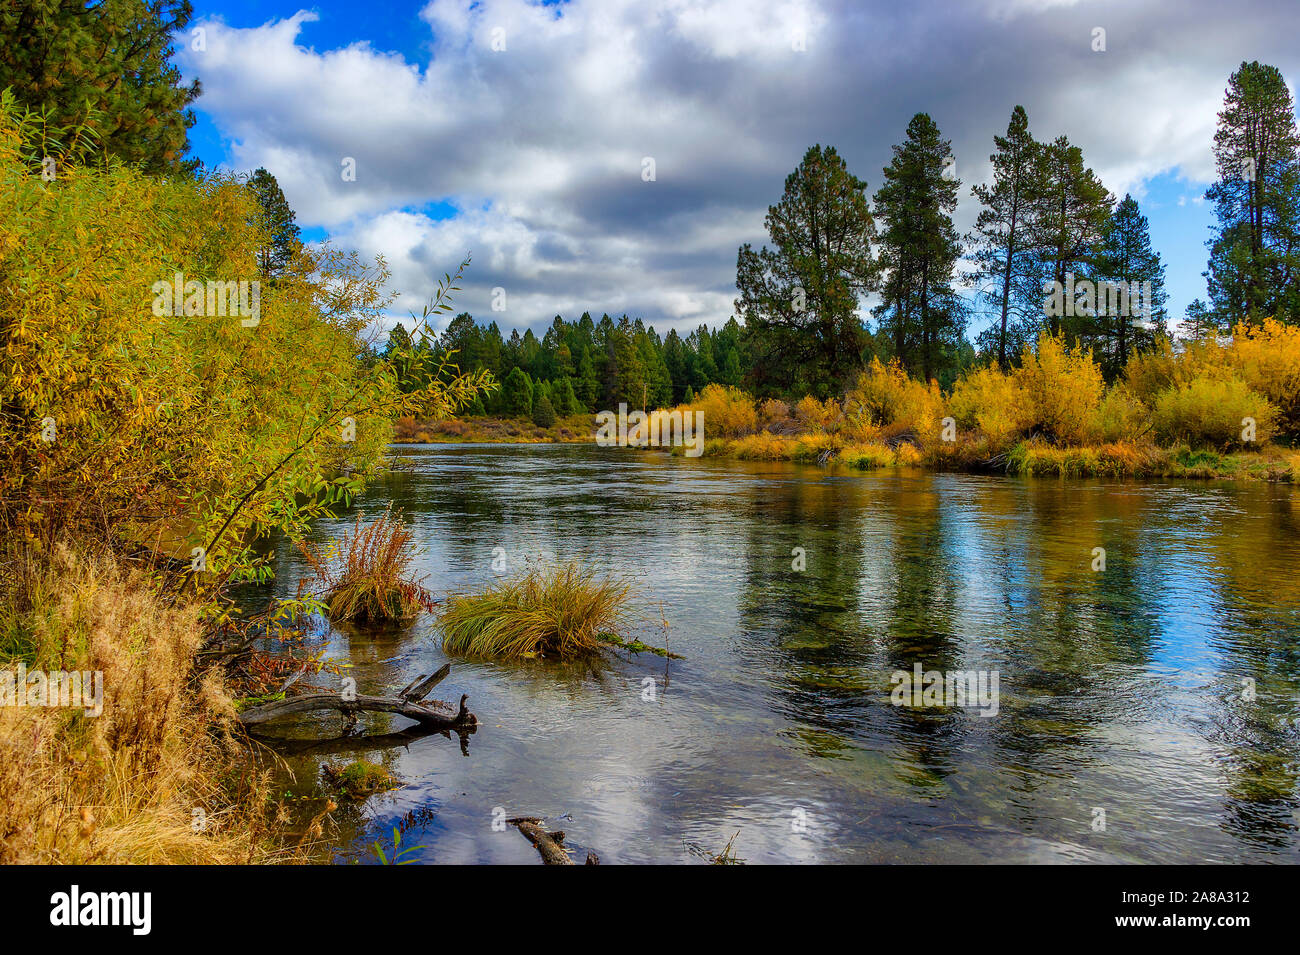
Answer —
(431, 714)
(549, 844)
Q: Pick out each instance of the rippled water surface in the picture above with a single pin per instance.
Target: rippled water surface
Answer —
(1121, 690)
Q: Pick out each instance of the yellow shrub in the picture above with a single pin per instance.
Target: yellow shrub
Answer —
(763, 447)
(1267, 359)
(816, 415)
(989, 401)
(867, 456)
(773, 412)
(120, 413)
(885, 399)
(1149, 373)
(1062, 389)
(1213, 413)
(728, 411)
(816, 447)
(1121, 417)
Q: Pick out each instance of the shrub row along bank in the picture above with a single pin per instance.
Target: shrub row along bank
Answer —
(1209, 409)
(1206, 410)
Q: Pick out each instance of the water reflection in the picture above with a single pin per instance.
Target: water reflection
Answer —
(1122, 690)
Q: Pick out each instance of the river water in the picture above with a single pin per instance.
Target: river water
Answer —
(1146, 712)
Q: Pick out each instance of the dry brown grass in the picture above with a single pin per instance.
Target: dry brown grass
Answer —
(364, 577)
(126, 786)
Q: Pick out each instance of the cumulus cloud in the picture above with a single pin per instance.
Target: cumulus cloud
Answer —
(533, 122)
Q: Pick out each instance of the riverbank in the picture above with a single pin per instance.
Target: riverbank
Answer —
(574, 429)
(1033, 458)
(139, 761)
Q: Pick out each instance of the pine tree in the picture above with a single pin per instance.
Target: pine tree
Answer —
(543, 413)
(799, 300)
(1125, 257)
(1072, 211)
(278, 223)
(517, 394)
(1254, 268)
(921, 313)
(106, 66)
(1003, 253)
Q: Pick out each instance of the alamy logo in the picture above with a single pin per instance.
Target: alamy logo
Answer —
(1084, 297)
(219, 299)
(75, 907)
(654, 430)
(975, 689)
(78, 689)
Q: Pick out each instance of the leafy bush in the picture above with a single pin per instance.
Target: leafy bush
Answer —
(1267, 359)
(196, 429)
(763, 447)
(1121, 416)
(1210, 413)
(816, 415)
(817, 447)
(728, 412)
(886, 401)
(1062, 390)
(989, 401)
(864, 457)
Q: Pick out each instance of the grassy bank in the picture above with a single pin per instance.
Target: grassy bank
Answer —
(1031, 456)
(1027, 457)
(156, 776)
(574, 429)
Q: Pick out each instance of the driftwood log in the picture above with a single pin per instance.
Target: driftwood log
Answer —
(430, 714)
(549, 844)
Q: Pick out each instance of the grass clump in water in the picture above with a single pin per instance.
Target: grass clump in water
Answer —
(557, 611)
(365, 577)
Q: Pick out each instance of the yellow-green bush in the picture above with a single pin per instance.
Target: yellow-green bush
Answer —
(1213, 413)
(988, 401)
(816, 415)
(1062, 389)
(193, 429)
(811, 448)
(868, 456)
(728, 412)
(1121, 416)
(763, 447)
(887, 401)
(1267, 359)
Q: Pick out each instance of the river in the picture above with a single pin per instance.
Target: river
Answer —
(1146, 712)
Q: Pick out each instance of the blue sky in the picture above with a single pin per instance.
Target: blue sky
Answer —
(517, 131)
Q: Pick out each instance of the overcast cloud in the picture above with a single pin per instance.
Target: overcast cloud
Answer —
(539, 147)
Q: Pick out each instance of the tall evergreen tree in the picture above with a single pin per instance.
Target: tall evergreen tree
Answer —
(105, 65)
(1071, 215)
(921, 313)
(799, 300)
(1125, 257)
(278, 221)
(1254, 268)
(1002, 245)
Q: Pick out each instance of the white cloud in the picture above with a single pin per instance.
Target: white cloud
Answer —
(540, 145)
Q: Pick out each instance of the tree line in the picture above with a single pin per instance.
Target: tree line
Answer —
(1046, 222)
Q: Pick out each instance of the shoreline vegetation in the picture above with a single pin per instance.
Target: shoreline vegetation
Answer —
(1215, 409)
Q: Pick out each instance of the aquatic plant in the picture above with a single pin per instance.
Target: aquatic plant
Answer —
(359, 779)
(364, 577)
(558, 611)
